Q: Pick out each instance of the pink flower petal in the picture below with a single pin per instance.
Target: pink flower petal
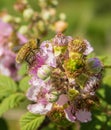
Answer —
(5, 29)
(69, 112)
(22, 38)
(89, 48)
(83, 115)
(62, 100)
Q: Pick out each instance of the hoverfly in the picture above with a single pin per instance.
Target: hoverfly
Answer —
(27, 51)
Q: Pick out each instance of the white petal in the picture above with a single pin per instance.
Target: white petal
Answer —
(32, 93)
(89, 48)
(39, 108)
(51, 60)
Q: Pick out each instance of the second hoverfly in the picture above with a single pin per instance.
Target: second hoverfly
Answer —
(27, 52)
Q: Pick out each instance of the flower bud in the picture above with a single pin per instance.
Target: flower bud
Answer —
(7, 18)
(60, 26)
(44, 72)
(54, 96)
(17, 19)
(94, 65)
(28, 13)
(62, 16)
(20, 5)
(23, 29)
(52, 11)
(54, 2)
(41, 26)
(46, 15)
(42, 3)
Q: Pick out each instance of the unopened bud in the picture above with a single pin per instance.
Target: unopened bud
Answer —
(53, 96)
(46, 15)
(41, 26)
(52, 11)
(60, 26)
(23, 29)
(62, 16)
(54, 2)
(44, 72)
(94, 65)
(7, 18)
(28, 13)
(17, 19)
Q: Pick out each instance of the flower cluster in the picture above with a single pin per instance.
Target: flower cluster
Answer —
(40, 22)
(63, 80)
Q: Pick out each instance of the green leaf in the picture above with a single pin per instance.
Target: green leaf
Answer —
(23, 69)
(7, 86)
(11, 102)
(107, 87)
(109, 123)
(101, 92)
(24, 85)
(102, 117)
(31, 121)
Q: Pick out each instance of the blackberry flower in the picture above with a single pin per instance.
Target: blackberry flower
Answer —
(80, 46)
(63, 80)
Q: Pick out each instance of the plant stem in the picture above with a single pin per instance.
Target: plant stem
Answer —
(107, 66)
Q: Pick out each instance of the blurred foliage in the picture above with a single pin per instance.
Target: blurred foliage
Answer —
(3, 124)
(7, 86)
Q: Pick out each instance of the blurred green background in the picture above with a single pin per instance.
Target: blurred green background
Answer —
(90, 19)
